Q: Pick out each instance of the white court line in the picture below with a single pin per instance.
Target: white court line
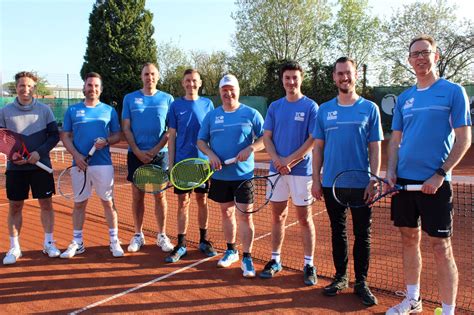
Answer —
(116, 296)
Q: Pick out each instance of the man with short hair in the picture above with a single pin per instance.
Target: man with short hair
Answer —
(347, 136)
(430, 134)
(144, 126)
(287, 137)
(86, 124)
(36, 124)
(184, 120)
(233, 130)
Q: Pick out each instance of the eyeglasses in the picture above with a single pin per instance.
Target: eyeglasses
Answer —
(423, 53)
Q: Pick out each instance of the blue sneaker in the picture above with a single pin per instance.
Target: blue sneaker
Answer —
(270, 269)
(176, 254)
(247, 267)
(230, 257)
(207, 249)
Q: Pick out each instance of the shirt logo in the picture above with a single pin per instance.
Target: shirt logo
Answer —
(219, 120)
(332, 115)
(182, 113)
(80, 113)
(299, 116)
(409, 103)
(138, 100)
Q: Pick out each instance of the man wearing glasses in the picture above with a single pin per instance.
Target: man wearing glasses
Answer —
(427, 118)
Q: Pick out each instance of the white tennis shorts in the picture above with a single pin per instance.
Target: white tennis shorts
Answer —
(296, 187)
(101, 177)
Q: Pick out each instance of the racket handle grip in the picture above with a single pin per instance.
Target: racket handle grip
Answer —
(230, 161)
(92, 151)
(44, 167)
(413, 187)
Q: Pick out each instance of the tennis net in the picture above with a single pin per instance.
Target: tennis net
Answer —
(385, 273)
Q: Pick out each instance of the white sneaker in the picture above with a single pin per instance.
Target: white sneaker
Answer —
(12, 256)
(136, 243)
(116, 249)
(164, 242)
(230, 257)
(407, 306)
(247, 267)
(51, 250)
(73, 249)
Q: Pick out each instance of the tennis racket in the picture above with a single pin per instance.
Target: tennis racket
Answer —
(349, 186)
(11, 143)
(152, 179)
(258, 189)
(193, 173)
(65, 182)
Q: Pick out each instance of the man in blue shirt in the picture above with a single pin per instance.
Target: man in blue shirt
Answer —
(86, 124)
(347, 137)
(144, 126)
(38, 128)
(242, 127)
(184, 120)
(287, 137)
(427, 118)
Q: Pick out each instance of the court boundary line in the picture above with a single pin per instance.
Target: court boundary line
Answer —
(145, 284)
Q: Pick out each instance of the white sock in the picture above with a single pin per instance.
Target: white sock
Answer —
(413, 291)
(276, 256)
(77, 236)
(448, 309)
(308, 260)
(113, 233)
(14, 242)
(48, 238)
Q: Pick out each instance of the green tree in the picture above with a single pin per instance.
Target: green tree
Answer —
(455, 40)
(119, 43)
(172, 61)
(354, 31)
(211, 67)
(281, 29)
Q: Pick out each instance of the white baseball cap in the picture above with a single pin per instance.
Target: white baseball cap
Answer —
(229, 79)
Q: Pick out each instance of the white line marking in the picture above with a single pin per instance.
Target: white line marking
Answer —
(113, 297)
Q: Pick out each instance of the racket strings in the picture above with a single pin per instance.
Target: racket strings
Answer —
(190, 174)
(150, 178)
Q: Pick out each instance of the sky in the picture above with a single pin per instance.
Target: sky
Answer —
(50, 36)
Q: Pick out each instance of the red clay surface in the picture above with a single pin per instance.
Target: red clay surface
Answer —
(37, 284)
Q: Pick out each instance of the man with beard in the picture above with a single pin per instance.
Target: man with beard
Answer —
(347, 136)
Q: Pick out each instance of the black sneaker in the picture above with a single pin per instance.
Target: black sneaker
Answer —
(363, 291)
(270, 269)
(176, 254)
(206, 247)
(339, 283)
(310, 276)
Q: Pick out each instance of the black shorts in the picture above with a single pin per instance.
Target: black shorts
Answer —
(19, 182)
(161, 160)
(433, 212)
(199, 190)
(223, 191)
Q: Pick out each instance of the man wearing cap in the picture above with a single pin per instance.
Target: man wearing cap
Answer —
(242, 126)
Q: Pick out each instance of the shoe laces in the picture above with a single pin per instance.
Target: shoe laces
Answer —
(13, 250)
(310, 270)
(272, 264)
(228, 253)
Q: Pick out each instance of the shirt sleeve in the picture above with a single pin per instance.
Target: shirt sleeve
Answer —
(67, 123)
(204, 131)
(460, 108)
(312, 117)
(397, 120)
(318, 131)
(171, 116)
(375, 128)
(258, 124)
(269, 118)
(114, 122)
(126, 107)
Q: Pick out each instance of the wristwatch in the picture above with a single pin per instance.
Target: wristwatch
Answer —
(441, 172)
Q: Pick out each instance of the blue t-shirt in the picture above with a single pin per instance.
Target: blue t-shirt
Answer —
(227, 133)
(426, 118)
(186, 117)
(147, 115)
(291, 123)
(89, 123)
(347, 132)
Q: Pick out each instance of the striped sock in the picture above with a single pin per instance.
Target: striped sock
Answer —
(308, 260)
(113, 233)
(77, 236)
(413, 291)
(48, 238)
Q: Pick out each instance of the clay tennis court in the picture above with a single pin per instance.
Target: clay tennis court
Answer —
(95, 282)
